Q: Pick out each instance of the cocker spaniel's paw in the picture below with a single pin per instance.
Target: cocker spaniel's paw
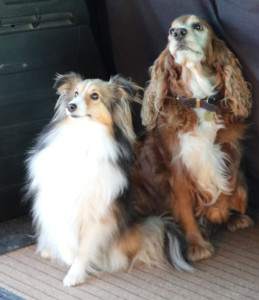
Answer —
(198, 252)
(239, 221)
(217, 215)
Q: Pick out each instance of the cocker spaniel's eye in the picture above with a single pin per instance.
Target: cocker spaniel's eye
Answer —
(198, 26)
(94, 96)
(171, 30)
(76, 94)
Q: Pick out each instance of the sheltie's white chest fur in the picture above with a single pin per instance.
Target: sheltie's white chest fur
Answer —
(203, 158)
(77, 167)
(76, 179)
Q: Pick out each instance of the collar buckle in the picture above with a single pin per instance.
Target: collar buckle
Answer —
(198, 103)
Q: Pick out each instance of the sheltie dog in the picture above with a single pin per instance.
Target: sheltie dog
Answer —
(78, 178)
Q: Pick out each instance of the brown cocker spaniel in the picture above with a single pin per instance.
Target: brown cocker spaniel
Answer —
(194, 109)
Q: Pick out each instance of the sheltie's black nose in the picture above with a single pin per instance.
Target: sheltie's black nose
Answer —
(71, 107)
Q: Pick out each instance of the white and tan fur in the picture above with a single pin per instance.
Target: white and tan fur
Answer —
(78, 173)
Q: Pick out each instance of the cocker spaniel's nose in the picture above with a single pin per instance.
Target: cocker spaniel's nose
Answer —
(179, 33)
(71, 107)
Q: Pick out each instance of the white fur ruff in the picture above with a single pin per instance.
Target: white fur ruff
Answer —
(203, 159)
(75, 181)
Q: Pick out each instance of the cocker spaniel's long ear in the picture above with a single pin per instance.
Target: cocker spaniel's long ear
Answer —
(126, 92)
(237, 96)
(65, 84)
(163, 71)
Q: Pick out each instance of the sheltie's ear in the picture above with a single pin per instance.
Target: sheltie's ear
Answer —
(65, 85)
(125, 92)
(127, 88)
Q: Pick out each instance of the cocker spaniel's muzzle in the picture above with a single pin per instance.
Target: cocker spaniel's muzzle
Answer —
(179, 34)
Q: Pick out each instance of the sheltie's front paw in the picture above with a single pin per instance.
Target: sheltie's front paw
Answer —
(76, 274)
(73, 279)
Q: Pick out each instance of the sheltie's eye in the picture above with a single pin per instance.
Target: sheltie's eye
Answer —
(76, 94)
(94, 96)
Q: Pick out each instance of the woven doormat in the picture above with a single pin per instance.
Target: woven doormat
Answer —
(6, 295)
(15, 234)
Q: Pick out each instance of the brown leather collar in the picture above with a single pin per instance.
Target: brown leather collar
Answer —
(206, 103)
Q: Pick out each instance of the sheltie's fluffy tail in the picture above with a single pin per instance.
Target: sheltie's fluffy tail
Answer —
(176, 247)
(155, 240)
